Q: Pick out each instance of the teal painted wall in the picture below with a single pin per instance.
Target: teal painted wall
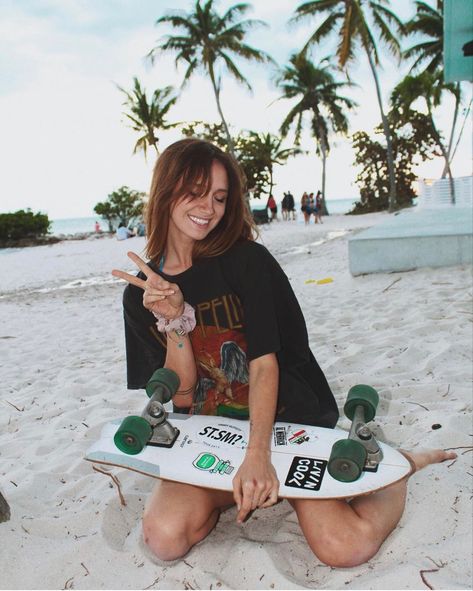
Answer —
(458, 30)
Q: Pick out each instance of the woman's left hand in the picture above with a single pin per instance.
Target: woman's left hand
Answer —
(255, 485)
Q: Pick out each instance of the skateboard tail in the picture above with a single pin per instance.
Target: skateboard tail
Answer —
(117, 460)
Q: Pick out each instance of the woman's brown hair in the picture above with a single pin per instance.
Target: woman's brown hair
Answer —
(180, 168)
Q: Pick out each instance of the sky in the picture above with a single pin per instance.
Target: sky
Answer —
(64, 141)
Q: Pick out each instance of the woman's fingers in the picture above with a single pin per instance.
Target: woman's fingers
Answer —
(250, 496)
(133, 279)
(142, 266)
(245, 506)
(267, 494)
(162, 291)
(272, 499)
(154, 283)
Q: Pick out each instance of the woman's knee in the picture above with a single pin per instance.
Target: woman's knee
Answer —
(346, 547)
(167, 538)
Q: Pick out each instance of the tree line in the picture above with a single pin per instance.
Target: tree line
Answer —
(205, 40)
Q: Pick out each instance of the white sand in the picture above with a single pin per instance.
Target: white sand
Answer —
(63, 376)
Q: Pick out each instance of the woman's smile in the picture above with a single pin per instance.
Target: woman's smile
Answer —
(193, 216)
(199, 220)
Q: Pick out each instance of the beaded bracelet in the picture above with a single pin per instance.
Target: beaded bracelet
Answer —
(183, 324)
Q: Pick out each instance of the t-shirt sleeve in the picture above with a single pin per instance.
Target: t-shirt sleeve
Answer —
(144, 352)
(273, 319)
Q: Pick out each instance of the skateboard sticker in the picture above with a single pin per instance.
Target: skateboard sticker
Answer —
(299, 436)
(213, 464)
(306, 473)
(280, 435)
(215, 436)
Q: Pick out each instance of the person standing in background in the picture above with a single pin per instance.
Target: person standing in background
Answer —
(271, 204)
(285, 213)
(290, 206)
(305, 207)
(318, 207)
(311, 206)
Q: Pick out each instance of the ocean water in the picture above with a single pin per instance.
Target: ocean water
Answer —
(340, 206)
(76, 225)
(87, 224)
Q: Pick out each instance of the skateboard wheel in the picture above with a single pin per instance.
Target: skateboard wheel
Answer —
(366, 396)
(132, 435)
(167, 378)
(347, 460)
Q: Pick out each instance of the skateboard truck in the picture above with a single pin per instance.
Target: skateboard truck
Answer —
(360, 451)
(158, 387)
(152, 427)
(359, 431)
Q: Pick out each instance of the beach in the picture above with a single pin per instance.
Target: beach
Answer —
(409, 335)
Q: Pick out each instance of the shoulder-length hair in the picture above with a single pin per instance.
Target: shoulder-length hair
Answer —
(179, 169)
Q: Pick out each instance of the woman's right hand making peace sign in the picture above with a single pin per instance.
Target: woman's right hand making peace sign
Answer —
(159, 295)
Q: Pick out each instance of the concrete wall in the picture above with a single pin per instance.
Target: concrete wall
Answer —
(413, 239)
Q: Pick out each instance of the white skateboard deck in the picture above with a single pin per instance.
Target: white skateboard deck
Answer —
(209, 451)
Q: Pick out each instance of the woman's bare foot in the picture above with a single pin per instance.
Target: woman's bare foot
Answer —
(421, 459)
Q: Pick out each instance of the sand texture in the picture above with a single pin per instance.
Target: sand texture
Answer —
(62, 355)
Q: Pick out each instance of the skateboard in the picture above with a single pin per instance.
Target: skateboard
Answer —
(310, 462)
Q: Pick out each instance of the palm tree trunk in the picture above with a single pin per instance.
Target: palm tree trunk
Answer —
(387, 134)
(324, 165)
(231, 147)
(452, 132)
(324, 147)
(465, 119)
(444, 154)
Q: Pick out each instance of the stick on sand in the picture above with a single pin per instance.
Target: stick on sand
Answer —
(4, 509)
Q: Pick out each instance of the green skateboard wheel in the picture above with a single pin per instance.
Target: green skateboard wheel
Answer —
(132, 435)
(168, 379)
(347, 460)
(366, 396)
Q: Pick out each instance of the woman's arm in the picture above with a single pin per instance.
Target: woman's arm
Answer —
(166, 300)
(256, 484)
(180, 358)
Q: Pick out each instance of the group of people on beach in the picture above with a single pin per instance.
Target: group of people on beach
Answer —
(311, 205)
(287, 206)
(211, 302)
(122, 232)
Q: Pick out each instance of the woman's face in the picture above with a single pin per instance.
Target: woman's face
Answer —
(195, 217)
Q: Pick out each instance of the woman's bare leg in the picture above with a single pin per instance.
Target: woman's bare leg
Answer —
(345, 534)
(177, 516)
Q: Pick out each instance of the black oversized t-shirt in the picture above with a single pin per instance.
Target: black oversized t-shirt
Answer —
(245, 308)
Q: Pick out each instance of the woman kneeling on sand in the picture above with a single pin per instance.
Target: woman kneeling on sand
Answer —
(209, 286)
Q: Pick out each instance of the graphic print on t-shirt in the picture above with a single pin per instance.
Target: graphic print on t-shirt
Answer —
(219, 346)
(222, 386)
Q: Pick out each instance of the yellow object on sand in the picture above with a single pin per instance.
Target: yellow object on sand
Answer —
(320, 281)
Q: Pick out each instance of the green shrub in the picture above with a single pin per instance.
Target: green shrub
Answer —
(23, 224)
(121, 206)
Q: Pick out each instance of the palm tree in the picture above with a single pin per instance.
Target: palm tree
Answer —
(266, 150)
(429, 87)
(147, 117)
(350, 20)
(316, 91)
(428, 21)
(206, 40)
